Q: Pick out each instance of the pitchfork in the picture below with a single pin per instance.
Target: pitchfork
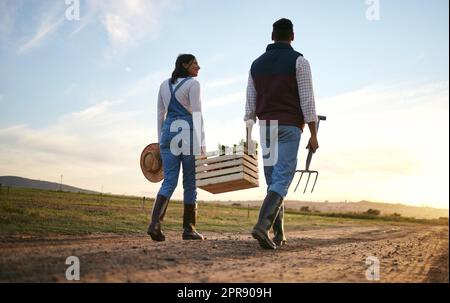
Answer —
(308, 162)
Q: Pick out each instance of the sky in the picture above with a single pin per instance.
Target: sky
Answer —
(79, 83)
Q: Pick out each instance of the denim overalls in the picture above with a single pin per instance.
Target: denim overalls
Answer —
(179, 152)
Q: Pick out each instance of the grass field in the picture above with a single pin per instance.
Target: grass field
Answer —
(39, 212)
(39, 229)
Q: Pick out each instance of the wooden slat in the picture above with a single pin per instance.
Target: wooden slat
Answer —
(220, 179)
(232, 185)
(227, 171)
(219, 172)
(228, 187)
(225, 159)
(215, 154)
(251, 166)
(219, 165)
(225, 165)
(223, 179)
(239, 185)
(219, 159)
(251, 173)
(251, 159)
(251, 179)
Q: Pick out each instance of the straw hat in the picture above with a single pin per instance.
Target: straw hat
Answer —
(151, 163)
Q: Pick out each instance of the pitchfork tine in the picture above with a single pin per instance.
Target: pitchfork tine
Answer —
(308, 162)
(298, 183)
(307, 181)
(314, 185)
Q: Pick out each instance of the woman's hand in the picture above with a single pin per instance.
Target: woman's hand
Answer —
(202, 154)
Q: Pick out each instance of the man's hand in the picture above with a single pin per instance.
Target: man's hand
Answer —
(249, 123)
(313, 144)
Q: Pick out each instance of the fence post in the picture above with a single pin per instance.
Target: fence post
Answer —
(143, 201)
(248, 211)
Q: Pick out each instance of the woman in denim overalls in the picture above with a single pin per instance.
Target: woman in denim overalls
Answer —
(177, 146)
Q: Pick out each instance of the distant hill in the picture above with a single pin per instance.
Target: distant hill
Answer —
(358, 207)
(38, 184)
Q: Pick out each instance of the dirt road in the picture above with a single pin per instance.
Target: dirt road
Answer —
(405, 254)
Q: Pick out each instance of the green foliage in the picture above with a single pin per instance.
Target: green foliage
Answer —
(373, 212)
(305, 209)
(224, 149)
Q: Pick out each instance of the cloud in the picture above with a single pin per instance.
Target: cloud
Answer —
(93, 111)
(47, 19)
(24, 32)
(44, 30)
(101, 143)
(385, 143)
(8, 12)
(128, 22)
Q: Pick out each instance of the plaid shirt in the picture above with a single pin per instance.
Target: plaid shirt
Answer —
(305, 90)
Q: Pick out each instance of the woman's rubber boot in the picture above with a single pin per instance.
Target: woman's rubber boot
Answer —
(278, 228)
(158, 212)
(267, 214)
(189, 220)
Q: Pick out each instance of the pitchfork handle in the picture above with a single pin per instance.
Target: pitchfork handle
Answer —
(310, 153)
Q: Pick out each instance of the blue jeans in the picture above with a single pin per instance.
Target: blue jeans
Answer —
(172, 163)
(279, 156)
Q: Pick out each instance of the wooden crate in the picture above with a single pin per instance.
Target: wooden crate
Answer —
(220, 174)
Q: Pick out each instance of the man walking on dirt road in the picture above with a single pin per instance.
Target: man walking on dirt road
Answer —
(280, 94)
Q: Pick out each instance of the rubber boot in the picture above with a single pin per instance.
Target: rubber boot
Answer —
(189, 220)
(278, 228)
(267, 214)
(158, 213)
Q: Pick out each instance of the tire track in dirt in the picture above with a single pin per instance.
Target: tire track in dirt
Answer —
(407, 254)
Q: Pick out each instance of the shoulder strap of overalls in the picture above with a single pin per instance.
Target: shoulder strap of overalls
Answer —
(172, 91)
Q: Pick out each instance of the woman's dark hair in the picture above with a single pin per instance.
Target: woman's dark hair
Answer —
(282, 30)
(180, 71)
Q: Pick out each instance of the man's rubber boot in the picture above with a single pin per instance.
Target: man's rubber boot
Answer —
(189, 220)
(158, 213)
(278, 228)
(267, 214)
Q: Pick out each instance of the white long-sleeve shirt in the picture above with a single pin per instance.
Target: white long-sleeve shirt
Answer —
(305, 91)
(188, 95)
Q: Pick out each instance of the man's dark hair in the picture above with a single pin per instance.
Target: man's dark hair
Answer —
(282, 30)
